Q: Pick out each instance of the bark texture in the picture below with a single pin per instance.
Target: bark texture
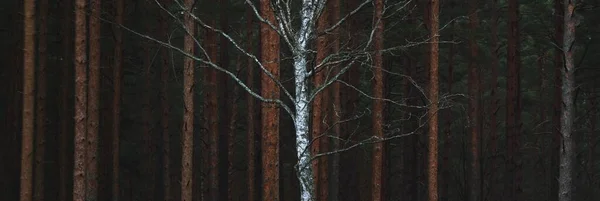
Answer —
(567, 145)
(432, 171)
(320, 140)
(28, 101)
(473, 85)
(188, 101)
(79, 171)
(378, 178)
(269, 44)
(513, 100)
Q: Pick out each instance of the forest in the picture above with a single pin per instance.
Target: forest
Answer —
(308, 100)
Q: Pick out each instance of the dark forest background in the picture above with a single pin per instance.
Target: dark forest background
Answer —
(150, 132)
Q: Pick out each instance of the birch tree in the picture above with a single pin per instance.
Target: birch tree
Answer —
(295, 26)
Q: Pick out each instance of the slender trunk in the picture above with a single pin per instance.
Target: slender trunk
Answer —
(211, 114)
(79, 171)
(378, 179)
(164, 104)
(251, 130)
(567, 146)
(65, 115)
(493, 108)
(270, 111)
(449, 119)
(558, 66)
(117, 85)
(225, 110)
(28, 101)
(475, 191)
(188, 113)
(349, 174)
(40, 138)
(513, 103)
(338, 112)
(432, 170)
(319, 124)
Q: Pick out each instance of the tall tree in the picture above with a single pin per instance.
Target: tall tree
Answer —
(320, 111)
(65, 115)
(338, 112)
(567, 146)
(432, 170)
(93, 101)
(513, 110)
(188, 105)
(40, 137)
(493, 106)
(116, 104)
(28, 100)
(378, 183)
(164, 104)
(269, 43)
(79, 170)
(211, 106)
(473, 85)
(251, 111)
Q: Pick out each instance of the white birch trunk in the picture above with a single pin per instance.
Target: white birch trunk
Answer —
(305, 174)
(567, 155)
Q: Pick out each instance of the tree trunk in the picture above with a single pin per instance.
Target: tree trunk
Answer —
(93, 102)
(269, 44)
(211, 114)
(117, 86)
(567, 146)
(251, 110)
(473, 85)
(338, 112)
(65, 99)
(164, 104)
(28, 101)
(513, 110)
(493, 108)
(449, 119)
(378, 179)
(432, 171)
(225, 109)
(79, 171)
(558, 66)
(320, 139)
(40, 139)
(188, 113)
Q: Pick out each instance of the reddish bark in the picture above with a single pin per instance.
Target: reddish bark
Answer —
(513, 110)
(378, 179)
(269, 44)
(40, 138)
(79, 171)
(211, 112)
(432, 171)
(473, 85)
(320, 139)
(494, 101)
(28, 101)
(93, 102)
(188, 101)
